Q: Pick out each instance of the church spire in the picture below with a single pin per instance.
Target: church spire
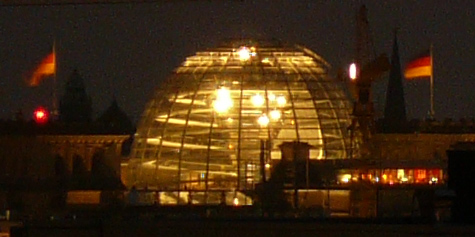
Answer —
(395, 109)
(75, 105)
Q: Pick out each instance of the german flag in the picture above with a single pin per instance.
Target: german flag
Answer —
(420, 66)
(45, 68)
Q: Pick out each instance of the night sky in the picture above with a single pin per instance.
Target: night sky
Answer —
(127, 50)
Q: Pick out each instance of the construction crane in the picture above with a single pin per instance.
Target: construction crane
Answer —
(368, 69)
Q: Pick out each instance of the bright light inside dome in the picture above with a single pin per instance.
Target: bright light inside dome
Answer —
(275, 114)
(263, 120)
(281, 101)
(353, 71)
(244, 54)
(271, 97)
(223, 100)
(214, 110)
(257, 100)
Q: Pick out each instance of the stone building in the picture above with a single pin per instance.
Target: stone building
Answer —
(49, 165)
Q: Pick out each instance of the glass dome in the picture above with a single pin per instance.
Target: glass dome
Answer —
(225, 109)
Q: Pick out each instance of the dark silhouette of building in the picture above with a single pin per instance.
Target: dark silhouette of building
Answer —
(461, 171)
(75, 105)
(395, 110)
(115, 120)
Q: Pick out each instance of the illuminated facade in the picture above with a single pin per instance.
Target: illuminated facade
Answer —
(224, 110)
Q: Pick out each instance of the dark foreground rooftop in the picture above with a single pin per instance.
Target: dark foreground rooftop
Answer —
(239, 227)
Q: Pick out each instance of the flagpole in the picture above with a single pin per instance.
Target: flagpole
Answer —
(55, 100)
(432, 112)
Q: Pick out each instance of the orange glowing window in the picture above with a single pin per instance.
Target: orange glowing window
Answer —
(420, 174)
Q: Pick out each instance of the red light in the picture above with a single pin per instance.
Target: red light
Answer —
(40, 115)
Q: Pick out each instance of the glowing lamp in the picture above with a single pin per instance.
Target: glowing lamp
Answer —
(244, 54)
(275, 114)
(263, 120)
(281, 101)
(345, 178)
(222, 106)
(236, 201)
(40, 115)
(223, 100)
(223, 93)
(257, 100)
(353, 71)
(271, 97)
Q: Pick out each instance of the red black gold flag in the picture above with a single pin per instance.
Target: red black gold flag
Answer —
(420, 66)
(45, 68)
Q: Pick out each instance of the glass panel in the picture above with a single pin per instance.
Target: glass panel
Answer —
(200, 133)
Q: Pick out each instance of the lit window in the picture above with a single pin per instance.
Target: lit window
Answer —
(345, 178)
(236, 201)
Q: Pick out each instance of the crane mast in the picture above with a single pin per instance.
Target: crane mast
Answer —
(370, 69)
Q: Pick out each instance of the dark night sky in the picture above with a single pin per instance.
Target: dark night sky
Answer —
(128, 49)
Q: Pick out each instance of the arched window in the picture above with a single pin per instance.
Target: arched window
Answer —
(79, 168)
(60, 168)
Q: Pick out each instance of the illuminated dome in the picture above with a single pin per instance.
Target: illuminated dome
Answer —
(206, 126)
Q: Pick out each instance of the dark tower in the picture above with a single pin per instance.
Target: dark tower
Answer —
(395, 109)
(115, 121)
(75, 105)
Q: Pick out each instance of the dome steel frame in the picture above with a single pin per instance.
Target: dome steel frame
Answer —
(204, 127)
